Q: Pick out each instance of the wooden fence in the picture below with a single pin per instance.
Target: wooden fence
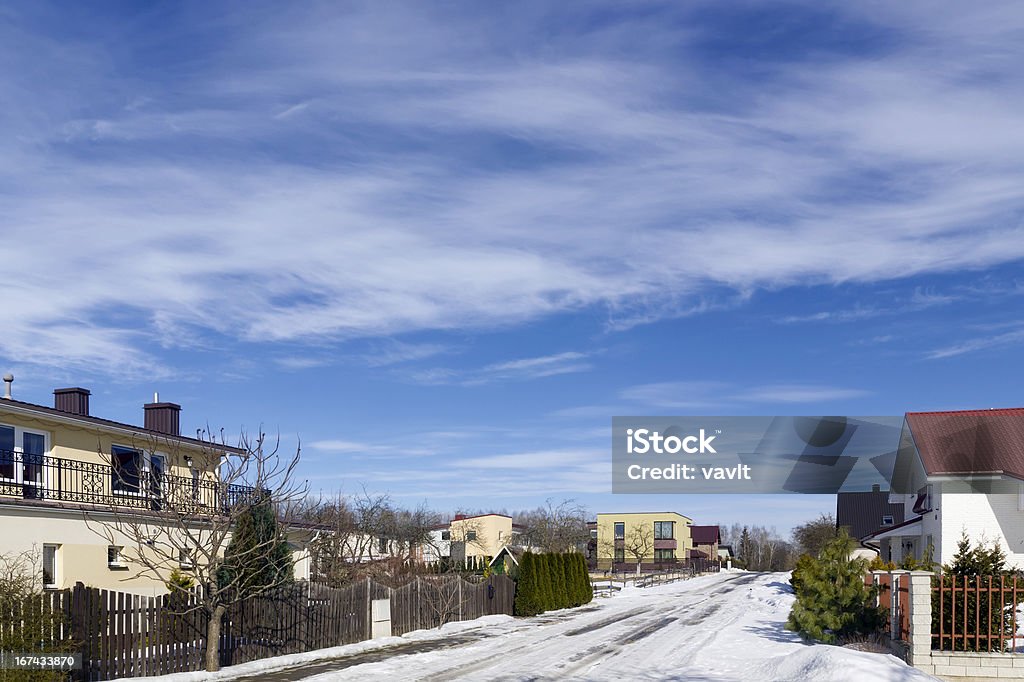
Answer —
(126, 635)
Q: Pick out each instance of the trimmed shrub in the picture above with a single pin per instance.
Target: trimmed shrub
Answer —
(527, 593)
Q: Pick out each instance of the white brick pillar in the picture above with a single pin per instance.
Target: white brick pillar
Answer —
(920, 619)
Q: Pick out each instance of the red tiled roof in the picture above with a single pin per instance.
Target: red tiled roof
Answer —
(970, 441)
(705, 535)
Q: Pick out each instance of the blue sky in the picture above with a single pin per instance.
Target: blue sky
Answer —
(445, 242)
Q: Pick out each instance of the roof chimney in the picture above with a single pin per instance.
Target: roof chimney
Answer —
(162, 417)
(876, 488)
(8, 380)
(73, 400)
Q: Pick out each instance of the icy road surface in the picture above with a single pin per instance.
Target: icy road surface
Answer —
(725, 626)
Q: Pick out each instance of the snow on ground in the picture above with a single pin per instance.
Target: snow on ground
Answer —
(725, 626)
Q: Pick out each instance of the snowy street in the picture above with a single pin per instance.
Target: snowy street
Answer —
(726, 626)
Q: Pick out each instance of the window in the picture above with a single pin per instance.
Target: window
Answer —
(7, 452)
(21, 455)
(664, 530)
(127, 469)
(184, 559)
(664, 555)
(50, 566)
(446, 535)
(620, 530)
(471, 536)
(33, 445)
(115, 557)
(620, 555)
(383, 545)
(593, 533)
(887, 520)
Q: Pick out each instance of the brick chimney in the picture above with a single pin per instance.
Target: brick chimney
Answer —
(162, 417)
(73, 400)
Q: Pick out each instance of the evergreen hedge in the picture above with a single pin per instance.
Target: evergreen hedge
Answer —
(551, 581)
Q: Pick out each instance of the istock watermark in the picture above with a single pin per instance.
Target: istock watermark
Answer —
(778, 454)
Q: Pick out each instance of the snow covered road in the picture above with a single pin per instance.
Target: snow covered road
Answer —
(725, 626)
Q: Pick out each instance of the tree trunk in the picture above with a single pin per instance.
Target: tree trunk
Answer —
(213, 639)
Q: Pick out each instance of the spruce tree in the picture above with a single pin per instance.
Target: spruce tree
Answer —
(984, 567)
(832, 602)
(258, 557)
(745, 545)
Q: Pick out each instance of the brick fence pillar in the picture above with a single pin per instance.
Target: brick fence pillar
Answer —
(920, 644)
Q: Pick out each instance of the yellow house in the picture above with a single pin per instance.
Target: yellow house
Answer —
(479, 537)
(652, 539)
(67, 478)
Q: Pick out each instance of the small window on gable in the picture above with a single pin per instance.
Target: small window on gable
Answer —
(887, 520)
(446, 535)
(471, 536)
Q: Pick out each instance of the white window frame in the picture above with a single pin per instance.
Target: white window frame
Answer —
(19, 452)
(56, 565)
(890, 522)
(119, 560)
(144, 471)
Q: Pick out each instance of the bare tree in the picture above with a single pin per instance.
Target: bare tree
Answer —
(560, 527)
(637, 544)
(444, 597)
(188, 522)
(365, 535)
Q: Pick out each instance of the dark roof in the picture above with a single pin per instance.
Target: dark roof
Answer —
(908, 522)
(970, 441)
(705, 535)
(107, 423)
(862, 512)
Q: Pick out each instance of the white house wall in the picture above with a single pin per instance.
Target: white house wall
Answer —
(985, 517)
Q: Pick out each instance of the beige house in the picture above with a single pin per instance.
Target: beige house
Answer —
(652, 539)
(470, 538)
(66, 477)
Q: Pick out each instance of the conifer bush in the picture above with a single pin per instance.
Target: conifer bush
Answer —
(547, 582)
(832, 602)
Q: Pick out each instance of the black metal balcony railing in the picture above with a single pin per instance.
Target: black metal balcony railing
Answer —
(38, 477)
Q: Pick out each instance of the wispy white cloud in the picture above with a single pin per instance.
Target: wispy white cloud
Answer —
(1010, 338)
(520, 369)
(805, 394)
(141, 205)
(396, 352)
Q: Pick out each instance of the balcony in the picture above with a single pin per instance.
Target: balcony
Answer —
(38, 477)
